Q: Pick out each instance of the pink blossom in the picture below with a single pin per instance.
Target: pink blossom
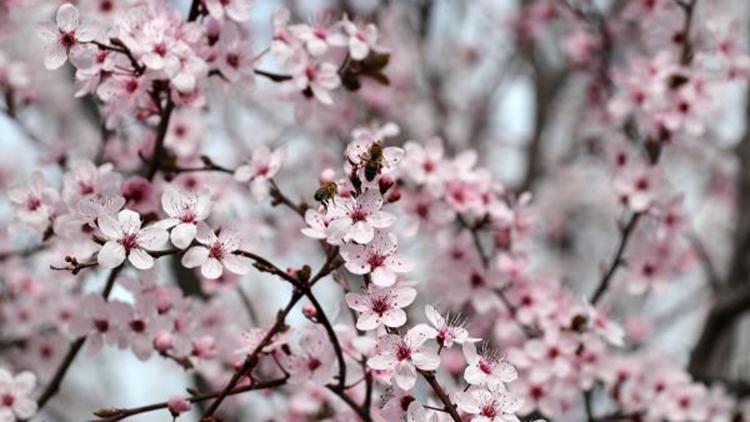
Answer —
(489, 404)
(355, 219)
(315, 79)
(446, 330)
(237, 10)
(234, 55)
(178, 405)
(262, 166)
(15, 395)
(185, 210)
(101, 322)
(34, 202)
(404, 356)
(65, 39)
(125, 238)
(318, 37)
(362, 38)
(487, 367)
(311, 359)
(216, 253)
(381, 306)
(377, 258)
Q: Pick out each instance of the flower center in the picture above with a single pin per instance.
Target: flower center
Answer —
(8, 400)
(216, 251)
(358, 214)
(68, 39)
(489, 411)
(485, 366)
(376, 260)
(129, 241)
(403, 352)
(188, 217)
(233, 60)
(314, 363)
(379, 305)
(138, 325)
(160, 49)
(33, 204)
(101, 325)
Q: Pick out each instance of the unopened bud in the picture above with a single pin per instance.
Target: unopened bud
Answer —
(309, 311)
(327, 175)
(177, 405)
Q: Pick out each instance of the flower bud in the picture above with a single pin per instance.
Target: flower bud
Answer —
(309, 311)
(177, 405)
(327, 175)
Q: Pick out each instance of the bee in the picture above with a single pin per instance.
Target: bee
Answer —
(326, 192)
(374, 161)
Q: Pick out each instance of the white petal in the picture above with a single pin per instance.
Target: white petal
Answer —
(111, 255)
(195, 256)
(130, 221)
(368, 321)
(109, 226)
(406, 375)
(394, 318)
(67, 17)
(212, 268)
(152, 237)
(182, 235)
(140, 259)
(426, 360)
(237, 264)
(56, 57)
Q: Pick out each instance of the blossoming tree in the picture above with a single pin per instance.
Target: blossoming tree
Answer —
(392, 211)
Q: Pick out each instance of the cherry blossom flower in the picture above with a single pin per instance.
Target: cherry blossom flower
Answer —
(216, 253)
(404, 356)
(424, 164)
(234, 55)
(317, 225)
(447, 330)
(311, 359)
(315, 79)
(34, 202)
(377, 258)
(262, 166)
(65, 39)
(178, 405)
(185, 211)
(362, 39)
(237, 10)
(357, 218)
(318, 37)
(85, 179)
(15, 392)
(101, 322)
(486, 367)
(126, 239)
(489, 404)
(381, 306)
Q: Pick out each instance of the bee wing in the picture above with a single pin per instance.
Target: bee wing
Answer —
(392, 156)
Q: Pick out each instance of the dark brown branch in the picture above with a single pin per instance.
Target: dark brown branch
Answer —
(441, 394)
(625, 234)
(161, 134)
(113, 415)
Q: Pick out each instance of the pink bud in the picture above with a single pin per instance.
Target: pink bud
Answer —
(177, 405)
(309, 310)
(327, 175)
(395, 194)
(163, 341)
